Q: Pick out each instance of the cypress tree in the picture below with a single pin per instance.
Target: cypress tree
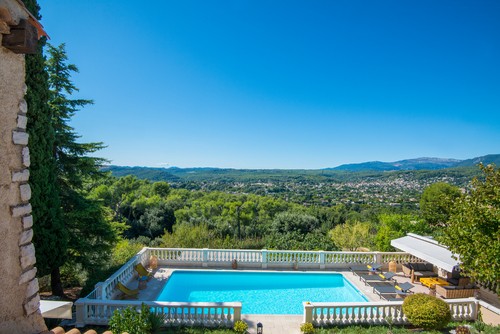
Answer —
(50, 235)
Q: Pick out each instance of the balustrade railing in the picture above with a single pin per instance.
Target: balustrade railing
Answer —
(228, 255)
(320, 314)
(106, 289)
(277, 258)
(399, 257)
(98, 312)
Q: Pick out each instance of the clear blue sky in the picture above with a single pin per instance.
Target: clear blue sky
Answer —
(283, 84)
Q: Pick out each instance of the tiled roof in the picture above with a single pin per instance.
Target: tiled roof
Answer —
(32, 19)
(60, 330)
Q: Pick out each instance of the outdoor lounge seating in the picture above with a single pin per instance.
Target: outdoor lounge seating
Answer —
(460, 281)
(376, 278)
(126, 291)
(402, 289)
(419, 270)
(455, 278)
(143, 271)
(451, 291)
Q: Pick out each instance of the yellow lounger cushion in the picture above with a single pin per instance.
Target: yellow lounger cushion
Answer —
(127, 291)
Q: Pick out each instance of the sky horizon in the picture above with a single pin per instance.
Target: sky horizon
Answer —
(283, 84)
(319, 168)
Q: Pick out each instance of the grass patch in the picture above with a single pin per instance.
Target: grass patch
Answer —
(477, 327)
(190, 330)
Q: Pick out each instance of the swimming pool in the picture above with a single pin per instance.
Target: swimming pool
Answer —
(259, 292)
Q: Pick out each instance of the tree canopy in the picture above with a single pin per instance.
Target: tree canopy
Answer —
(473, 229)
(436, 203)
(352, 236)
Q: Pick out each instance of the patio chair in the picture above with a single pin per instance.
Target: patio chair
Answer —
(126, 291)
(143, 271)
(387, 277)
(401, 289)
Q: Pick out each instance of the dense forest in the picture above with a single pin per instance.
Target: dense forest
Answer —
(158, 215)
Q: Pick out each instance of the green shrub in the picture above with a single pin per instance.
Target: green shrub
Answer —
(156, 321)
(426, 311)
(307, 328)
(73, 275)
(240, 326)
(131, 321)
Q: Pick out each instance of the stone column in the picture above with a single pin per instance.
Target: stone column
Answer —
(19, 299)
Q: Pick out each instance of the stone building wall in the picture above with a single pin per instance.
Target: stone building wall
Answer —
(19, 299)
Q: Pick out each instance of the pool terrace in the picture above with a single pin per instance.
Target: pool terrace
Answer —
(99, 306)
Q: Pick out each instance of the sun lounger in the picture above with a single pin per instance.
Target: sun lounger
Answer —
(374, 266)
(365, 268)
(394, 297)
(143, 271)
(126, 291)
(400, 289)
(376, 278)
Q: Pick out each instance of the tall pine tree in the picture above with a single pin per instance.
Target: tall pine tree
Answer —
(91, 235)
(50, 235)
(62, 214)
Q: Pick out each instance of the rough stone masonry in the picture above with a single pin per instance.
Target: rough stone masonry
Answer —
(19, 298)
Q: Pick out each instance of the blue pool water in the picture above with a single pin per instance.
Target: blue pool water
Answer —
(259, 292)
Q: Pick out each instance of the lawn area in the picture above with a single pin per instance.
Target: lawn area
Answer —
(476, 328)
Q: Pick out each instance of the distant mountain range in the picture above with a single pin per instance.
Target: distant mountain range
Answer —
(431, 166)
(418, 164)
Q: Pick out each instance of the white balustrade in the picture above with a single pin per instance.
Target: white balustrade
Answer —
(278, 258)
(320, 314)
(291, 257)
(463, 308)
(228, 255)
(350, 257)
(98, 312)
(399, 257)
(106, 289)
